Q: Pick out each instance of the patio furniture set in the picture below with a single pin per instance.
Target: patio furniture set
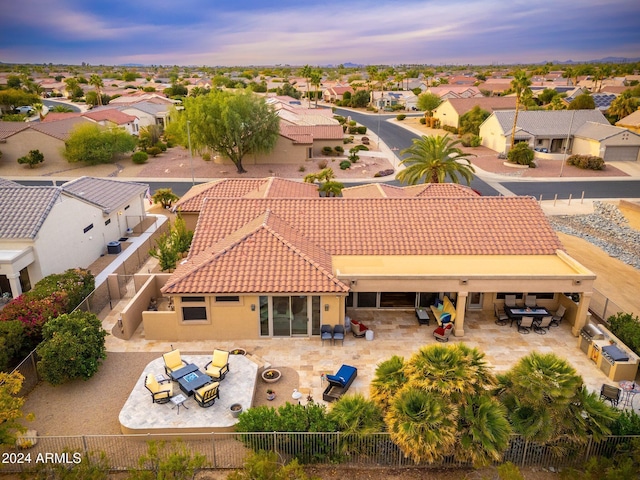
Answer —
(623, 394)
(528, 317)
(203, 386)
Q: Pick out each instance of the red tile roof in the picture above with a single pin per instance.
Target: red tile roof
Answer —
(307, 133)
(110, 115)
(394, 226)
(381, 190)
(236, 264)
(271, 187)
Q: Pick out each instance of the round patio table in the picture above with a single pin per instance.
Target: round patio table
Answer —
(630, 389)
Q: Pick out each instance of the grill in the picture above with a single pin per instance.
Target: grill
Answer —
(590, 333)
(614, 354)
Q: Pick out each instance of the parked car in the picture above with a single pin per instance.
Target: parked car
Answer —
(541, 149)
(25, 109)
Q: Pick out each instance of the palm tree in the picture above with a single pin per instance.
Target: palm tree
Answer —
(316, 80)
(433, 159)
(624, 105)
(520, 84)
(96, 81)
(422, 424)
(547, 402)
(306, 73)
(388, 380)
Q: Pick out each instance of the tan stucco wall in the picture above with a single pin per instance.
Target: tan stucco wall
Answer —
(21, 143)
(585, 146)
(447, 114)
(492, 135)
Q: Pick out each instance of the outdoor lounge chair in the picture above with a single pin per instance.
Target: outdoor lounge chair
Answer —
(442, 333)
(326, 333)
(218, 367)
(501, 317)
(173, 361)
(611, 394)
(542, 327)
(558, 316)
(525, 324)
(206, 396)
(161, 392)
(339, 383)
(358, 329)
(338, 333)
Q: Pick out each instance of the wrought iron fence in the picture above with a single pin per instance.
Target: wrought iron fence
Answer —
(229, 450)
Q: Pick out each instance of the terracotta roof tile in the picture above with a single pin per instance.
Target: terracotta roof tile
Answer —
(236, 263)
(271, 187)
(380, 190)
(394, 226)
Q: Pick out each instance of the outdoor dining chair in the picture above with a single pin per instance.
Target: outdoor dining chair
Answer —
(501, 317)
(525, 324)
(510, 300)
(530, 301)
(558, 316)
(611, 394)
(338, 333)
(542, 327)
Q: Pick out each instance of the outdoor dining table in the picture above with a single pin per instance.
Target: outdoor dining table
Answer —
(516, 313)
(629, 390)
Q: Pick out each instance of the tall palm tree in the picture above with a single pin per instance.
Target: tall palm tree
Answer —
(433, 159)
(520, 84)
(316, 80)
(306, 73)
(389, 378)
(96, 81)
(624, 105)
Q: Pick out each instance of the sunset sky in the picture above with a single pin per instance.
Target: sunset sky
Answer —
(249, 32)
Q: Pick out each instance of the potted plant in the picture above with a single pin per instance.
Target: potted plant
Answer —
(271, 375)
(236, 410)
(238, 351)
(271, 394)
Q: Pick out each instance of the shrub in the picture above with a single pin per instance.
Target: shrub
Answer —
(476, 141)
(32, 159)
(357, 148)
(384, 173)
(154, 151)
(450, 129)
(206, 157)
(352, 123)
(345, 164)
(302, 168)
(11, 340)
(327, 150)
(176, 462)
(423, 121)
(588, 162)
(341, 120)
(362, 130)
(322, 164)
(465, 140)
(161, 146)
(521, 154)
(76, 283)
(401, 117)
(627, 328)
(339, 150)
(352, 130)
(346, 140)
(73, 346)
(139, 158)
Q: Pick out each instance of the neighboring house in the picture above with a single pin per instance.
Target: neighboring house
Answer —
(450, 111)
(541, 129)
(452, 91)
(45, 230)
(406, 98)
(149, 112)
(112, 117)
(281, 267)
(382, 190)
(496, 86)
(602, 100)
(18, 138)
(606, 141)
(336, 93)
(631, 122)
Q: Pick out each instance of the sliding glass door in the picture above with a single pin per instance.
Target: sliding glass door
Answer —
(294, 316)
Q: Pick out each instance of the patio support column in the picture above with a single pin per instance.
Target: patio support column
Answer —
(581, 314)
(461, 307)
(14, 283)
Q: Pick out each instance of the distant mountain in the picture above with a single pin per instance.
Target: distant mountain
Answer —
(601, 60)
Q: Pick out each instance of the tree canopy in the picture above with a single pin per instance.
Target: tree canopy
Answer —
(428, 102)
(433, 159)
(232, 124)
(94, 145)
(470, 122)
(582, 102)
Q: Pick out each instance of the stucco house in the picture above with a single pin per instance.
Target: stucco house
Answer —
(45, 230)
(112, 117)
(336, 93)
(452, 91)
(541, 129)
(450, 111)
(631, 122)
(17, 138)
(280, 267)
(606, 141)
(406, 98)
